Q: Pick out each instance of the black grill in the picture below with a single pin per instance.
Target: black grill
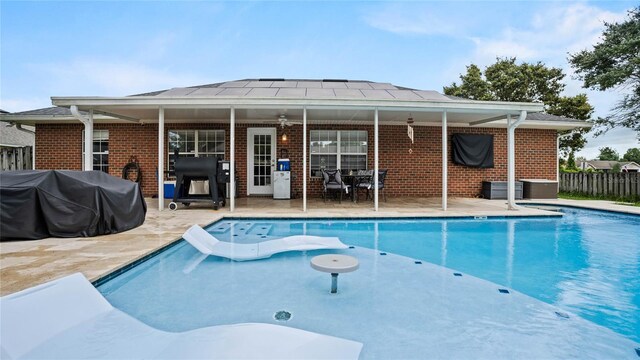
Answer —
(188, 169)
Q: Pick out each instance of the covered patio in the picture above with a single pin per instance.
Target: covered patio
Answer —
(318, 104)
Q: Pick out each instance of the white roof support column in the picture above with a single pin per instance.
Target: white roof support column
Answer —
(87, 163)
(511, 159)
(232, 159)
(161, 159)
(375, 160)
(304, 159)
(445, 175)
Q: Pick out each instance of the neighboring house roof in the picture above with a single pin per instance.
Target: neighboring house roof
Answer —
(53, 113)
(607, 165)
(10, 136)
(50, 111)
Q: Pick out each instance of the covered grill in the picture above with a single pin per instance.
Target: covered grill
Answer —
(211, 169)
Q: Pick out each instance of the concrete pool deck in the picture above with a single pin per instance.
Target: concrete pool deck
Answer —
(27, 263)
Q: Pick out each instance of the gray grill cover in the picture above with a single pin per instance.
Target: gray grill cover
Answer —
(36, 204)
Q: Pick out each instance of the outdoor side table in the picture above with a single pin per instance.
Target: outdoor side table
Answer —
(334, 264)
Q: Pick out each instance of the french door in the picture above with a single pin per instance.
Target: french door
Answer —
(261, 160)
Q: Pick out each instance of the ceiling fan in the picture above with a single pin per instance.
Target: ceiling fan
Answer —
(283, 121)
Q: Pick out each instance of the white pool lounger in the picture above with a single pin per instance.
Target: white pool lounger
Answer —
(69, 319)
(208, 244)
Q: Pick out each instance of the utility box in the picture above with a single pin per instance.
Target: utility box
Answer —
(540, 189)
(497, 190)
(282, 185)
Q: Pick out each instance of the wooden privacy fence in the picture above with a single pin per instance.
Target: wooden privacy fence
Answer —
(618, 185)
(15, 158)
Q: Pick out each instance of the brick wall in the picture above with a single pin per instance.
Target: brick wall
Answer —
(59, 147)
(410, 174)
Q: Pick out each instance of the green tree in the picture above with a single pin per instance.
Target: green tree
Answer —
(505, 80)
(576, 107)
(571, 162)
(614, 63)
(632, 154)
(607, 153)
(472, 86)
(616, 168)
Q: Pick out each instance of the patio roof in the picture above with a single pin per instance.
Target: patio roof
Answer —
(328, 101)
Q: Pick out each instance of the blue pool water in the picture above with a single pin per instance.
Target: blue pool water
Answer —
(586, 262)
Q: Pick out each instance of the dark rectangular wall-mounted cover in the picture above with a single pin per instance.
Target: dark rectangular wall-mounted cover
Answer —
(472, 150)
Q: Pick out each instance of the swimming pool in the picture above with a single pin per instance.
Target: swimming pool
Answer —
(586, 263)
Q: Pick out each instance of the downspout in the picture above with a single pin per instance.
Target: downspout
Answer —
(511, 159)
(88, 135)
(19, 127)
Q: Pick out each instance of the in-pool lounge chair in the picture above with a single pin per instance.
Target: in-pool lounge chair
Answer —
(69, 319)
(208, 244)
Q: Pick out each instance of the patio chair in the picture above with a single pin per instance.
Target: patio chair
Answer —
(365, 178)
(368, 185)
(332, 181)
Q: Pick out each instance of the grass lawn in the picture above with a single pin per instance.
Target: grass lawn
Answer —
(574, 196)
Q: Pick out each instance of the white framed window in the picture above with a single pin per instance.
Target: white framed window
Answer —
(100, 150)
(337, 149)
(198, 143)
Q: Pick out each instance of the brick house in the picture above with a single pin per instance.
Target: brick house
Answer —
(349, 125)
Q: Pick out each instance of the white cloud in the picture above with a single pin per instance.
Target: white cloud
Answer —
(619, 139)
(24, 104)
(421, 20)
(551, 34)
(105, 77)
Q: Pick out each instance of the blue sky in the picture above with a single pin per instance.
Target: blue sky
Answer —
(115, 48)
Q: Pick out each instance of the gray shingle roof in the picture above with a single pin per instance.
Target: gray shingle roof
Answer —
(607, 165)
(548, 117)
(9, 135)
(50, 111)
(302, 88)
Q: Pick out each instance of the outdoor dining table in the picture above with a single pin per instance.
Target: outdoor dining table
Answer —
(353, 180)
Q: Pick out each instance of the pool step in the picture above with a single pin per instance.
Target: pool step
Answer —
(260, 229)
(220, 228)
